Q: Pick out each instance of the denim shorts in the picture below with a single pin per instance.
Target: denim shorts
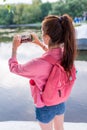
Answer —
(47, 113)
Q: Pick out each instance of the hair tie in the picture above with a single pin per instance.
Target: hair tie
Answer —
(60, 19)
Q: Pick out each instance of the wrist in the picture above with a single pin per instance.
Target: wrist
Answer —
(14, 48)
(14, 52)
(44, 47)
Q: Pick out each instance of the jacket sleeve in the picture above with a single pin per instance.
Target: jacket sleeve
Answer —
(28, 70)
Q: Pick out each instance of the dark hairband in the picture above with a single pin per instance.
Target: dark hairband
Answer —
(60, 19)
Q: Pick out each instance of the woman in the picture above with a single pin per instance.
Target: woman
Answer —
(58, 35)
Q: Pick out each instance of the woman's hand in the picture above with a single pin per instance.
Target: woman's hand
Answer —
(36, 39)
(38, 42)
(16, 44)
(16, 41)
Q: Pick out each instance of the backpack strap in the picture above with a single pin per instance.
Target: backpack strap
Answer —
(52, 60)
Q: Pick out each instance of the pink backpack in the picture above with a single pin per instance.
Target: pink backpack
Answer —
(59, 85)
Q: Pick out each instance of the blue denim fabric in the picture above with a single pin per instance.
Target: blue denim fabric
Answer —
(47, 113)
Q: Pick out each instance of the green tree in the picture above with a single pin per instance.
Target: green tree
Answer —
(59, 8)
(6, 17)
(76, 8)
(33, 14)
(25, 14)
(72, 7)
(18, 12)
(45, 9)
(36, 2)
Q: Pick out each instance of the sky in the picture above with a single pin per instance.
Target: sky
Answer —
(23, 1)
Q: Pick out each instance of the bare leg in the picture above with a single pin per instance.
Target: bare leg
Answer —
(58, 122)
(47, 126)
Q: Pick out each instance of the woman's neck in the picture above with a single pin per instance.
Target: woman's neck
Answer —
(57, 46)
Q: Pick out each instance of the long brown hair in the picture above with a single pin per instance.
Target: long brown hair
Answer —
(61, 30)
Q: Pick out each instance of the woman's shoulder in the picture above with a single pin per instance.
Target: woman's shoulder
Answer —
(40, 61)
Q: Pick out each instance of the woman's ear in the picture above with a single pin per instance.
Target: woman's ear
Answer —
(47, 38)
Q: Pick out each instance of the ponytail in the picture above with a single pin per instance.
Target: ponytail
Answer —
(69, 40)
(61, 30)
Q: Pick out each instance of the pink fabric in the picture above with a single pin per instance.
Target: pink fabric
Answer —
(59, 84)
(37, 70)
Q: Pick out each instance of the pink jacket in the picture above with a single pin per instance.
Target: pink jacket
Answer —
(37, 70)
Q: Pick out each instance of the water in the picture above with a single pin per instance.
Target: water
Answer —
(15, 97)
